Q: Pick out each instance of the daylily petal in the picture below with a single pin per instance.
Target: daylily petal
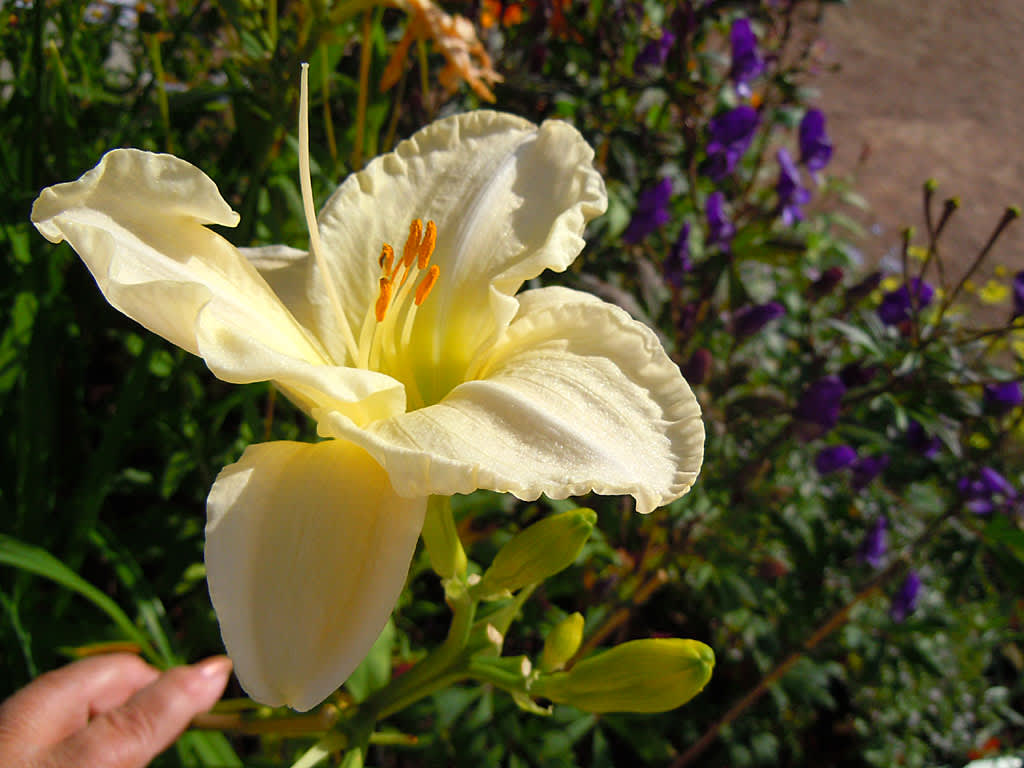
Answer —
(138, 220)
(576, 396)
(307, 550)
(509, 198)
(285, 270)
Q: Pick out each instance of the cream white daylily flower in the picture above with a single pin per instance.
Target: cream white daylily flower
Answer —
(427, 370)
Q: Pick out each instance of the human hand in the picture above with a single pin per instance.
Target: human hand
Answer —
(112, 711)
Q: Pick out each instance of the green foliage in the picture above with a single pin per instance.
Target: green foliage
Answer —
(113, 437)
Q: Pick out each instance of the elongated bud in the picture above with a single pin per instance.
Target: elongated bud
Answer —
(540, 551)
(639, 676)
(561, 643)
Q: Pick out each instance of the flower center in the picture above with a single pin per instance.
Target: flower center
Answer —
(384, 337)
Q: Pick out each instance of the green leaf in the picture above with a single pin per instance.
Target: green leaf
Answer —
(42, 563)
(375, 670)
(1000, 531)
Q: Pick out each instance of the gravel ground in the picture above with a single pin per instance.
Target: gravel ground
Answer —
(930, 89)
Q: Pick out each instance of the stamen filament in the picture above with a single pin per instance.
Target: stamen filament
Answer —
(306, 185)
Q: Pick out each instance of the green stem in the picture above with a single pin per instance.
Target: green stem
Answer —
(443, 666)
(153, 44)
(364, 86)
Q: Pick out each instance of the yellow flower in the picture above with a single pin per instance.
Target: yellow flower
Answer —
(427, 370)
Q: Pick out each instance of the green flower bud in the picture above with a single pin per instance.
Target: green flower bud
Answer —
(561, 643)
(639, 676)
(542, 550)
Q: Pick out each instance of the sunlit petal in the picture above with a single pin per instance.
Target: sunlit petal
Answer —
(576, 397)
(307, 550)
(510, 199)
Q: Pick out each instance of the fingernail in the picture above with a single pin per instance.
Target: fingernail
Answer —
(214, 668)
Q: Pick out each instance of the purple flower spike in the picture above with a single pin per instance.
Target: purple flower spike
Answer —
(651, 211)
(1004, 396)
(654, 54)
(867, 469)
(729, 136)
(678, 263)
(750, 319)
(815, 146)
(987, 491)
(792, 194)
(746, 62)
(720, 229)
(819, 403)
(876, 544)
(833, 458)
(896, 305)
(904, 602)
(1018, 295)
(995, 483)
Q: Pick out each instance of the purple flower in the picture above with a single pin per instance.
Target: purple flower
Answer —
(819, 403)
(832, 458)
(815, 147)
(896, 305)
(750, 319)
(698, 367)
(746, 62)
(720, 229)
(857, 375)
(651, 211)
(729, 136)
(1004, 396)
(678, 263)
(867, 469)
(904, 602)
(921, 442)
(876, 543)
(995, 483)
(827, 282)
(1018, 295)
(792, 194)
(654, 54)
(986, 491)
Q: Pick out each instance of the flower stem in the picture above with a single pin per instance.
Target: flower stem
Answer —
(444, 666)
(364, 86)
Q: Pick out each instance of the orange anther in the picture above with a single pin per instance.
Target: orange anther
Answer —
(423, 289)
(387, 259)
(383, 298)
(413, 242)
(427, 245)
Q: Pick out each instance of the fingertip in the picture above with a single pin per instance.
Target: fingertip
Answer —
(210, 677)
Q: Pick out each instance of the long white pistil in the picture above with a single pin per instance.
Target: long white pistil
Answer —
(306, 184)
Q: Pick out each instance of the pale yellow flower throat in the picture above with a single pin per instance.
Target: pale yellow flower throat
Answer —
(381, 339)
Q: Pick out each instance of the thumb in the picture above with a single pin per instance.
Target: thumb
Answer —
(144, 726)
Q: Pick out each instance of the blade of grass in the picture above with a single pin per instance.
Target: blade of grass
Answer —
(41, 563)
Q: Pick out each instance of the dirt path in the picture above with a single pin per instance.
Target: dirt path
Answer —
(931, 88)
